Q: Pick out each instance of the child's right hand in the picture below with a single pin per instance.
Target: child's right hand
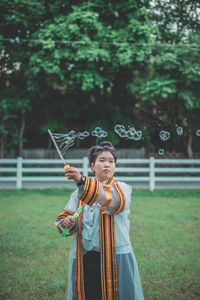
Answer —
(68, 222)
(73, 173)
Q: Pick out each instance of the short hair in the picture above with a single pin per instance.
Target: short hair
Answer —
(94, 151)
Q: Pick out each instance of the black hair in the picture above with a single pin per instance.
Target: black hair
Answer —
(97, 149)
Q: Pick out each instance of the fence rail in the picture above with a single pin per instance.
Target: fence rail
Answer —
(150, 170)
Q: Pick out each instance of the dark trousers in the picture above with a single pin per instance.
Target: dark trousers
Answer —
(92, 275)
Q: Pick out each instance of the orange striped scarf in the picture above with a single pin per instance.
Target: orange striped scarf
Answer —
(89, 195)
(109, 283)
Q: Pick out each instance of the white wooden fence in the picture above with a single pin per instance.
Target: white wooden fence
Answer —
(150, 170)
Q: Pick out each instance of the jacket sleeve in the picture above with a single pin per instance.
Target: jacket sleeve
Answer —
(69, 210)
(108, 196)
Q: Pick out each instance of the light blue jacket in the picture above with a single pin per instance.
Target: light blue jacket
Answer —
(90, 222)
(129, 285)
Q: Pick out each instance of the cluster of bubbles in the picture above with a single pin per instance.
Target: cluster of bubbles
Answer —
(67, 140)
(98, 132)
(179, 130)
(82, 135)
(131, 133)
(164, 135)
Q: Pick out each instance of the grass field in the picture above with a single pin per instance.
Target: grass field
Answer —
(165, 231)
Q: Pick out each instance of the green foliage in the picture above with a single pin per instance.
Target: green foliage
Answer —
(11, 109)
(70, 53)
(76, 64)
(159, 88)
(52, 125)
(168, 94)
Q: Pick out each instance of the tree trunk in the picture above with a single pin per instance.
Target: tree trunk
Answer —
(21, 135)
(189, 146)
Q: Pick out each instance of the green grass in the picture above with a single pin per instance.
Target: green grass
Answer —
(165, 230)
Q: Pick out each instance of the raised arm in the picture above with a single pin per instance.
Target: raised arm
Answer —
(108, 196)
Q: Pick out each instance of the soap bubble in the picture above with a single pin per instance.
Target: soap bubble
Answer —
(136, 135)
(120, 130)
(82, 135)
(179, 130)
(133, 134)
(161, 152)
(198, 132)
(164, 135)
(100, 133)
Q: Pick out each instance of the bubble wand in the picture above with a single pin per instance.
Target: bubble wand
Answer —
(74, 217)
(66, 166)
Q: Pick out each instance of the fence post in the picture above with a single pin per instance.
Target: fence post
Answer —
(152, 173)
(19, 173)
(85, 166)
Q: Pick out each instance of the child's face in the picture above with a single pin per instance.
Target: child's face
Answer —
(104, 166)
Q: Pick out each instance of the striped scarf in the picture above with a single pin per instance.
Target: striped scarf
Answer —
(109, 283)
(89, 195)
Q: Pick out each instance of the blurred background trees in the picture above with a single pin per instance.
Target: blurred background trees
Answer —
(69, 64)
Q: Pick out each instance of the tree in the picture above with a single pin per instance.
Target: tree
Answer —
(13, 106)
(88, 63)
(82, 56)
(168, 96)
(72, 55)
(18, 21)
